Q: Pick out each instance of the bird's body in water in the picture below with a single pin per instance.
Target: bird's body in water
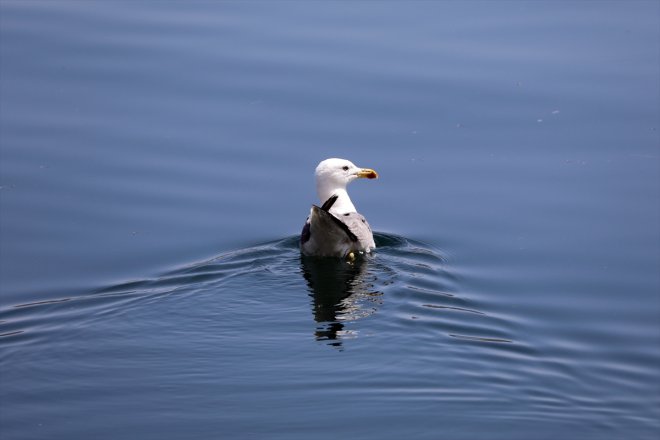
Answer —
(336, 229)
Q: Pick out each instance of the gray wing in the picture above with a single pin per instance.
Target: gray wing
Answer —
(357, 224)
(325, 234)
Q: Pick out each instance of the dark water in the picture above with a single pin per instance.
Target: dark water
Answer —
(156, 166)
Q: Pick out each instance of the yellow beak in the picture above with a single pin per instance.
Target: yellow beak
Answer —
(367, 173)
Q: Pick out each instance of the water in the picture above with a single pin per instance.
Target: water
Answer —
(156, 167)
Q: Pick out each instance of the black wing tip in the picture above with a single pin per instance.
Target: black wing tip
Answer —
(328, 203)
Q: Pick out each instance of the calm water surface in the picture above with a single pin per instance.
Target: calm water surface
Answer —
(157, 165)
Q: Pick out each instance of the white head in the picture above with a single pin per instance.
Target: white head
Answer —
(332, 176)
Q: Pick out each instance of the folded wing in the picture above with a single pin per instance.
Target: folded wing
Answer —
(327, 235)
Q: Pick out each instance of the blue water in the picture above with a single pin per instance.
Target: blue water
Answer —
(156, 167)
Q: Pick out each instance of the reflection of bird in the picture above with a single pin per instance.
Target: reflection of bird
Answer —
(337, 288)
(336, 229)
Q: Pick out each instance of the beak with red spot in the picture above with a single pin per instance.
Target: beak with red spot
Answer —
(367, 173)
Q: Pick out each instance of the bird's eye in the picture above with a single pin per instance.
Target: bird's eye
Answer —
(345, 168)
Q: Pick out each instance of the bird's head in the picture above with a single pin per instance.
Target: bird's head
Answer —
(337, 173)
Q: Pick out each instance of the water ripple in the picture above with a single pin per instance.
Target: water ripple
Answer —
(405, 284)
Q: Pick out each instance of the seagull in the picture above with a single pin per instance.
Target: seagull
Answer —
(336, 229)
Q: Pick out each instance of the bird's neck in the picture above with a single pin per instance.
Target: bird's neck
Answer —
(343, 203)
